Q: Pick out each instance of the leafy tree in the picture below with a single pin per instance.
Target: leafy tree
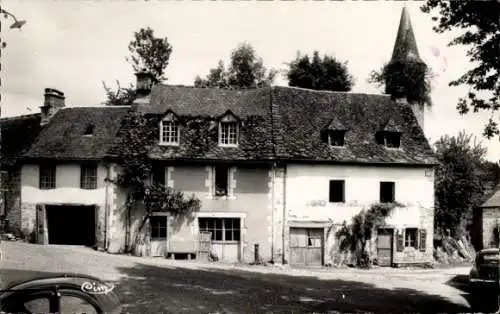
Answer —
(458, 184)
(319, 74)
(480, 23)
(413, 79)
(122, 96)
(246, 70)
(217, 77)
(147, 52)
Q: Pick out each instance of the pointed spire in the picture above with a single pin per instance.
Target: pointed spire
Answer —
(405, 48)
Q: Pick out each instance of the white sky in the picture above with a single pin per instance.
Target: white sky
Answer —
(75, 45)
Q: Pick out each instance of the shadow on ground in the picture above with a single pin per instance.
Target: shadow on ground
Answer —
(480, 300)
(152, 289)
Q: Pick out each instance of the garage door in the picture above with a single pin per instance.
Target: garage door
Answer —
(306, 246)
(73, 225)
(226, 234)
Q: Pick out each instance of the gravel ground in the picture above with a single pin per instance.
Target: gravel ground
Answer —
(154, 285)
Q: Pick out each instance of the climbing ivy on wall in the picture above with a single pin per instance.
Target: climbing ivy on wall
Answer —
(138, 134)
(354, 236)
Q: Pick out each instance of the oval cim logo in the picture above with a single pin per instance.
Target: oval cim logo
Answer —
(96, 287)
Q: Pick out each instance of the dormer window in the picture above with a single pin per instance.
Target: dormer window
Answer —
(389, 139)
(228, 130)
(336, 138)
(89, 130)
(169, 131)
(334, 133)
(389, 134)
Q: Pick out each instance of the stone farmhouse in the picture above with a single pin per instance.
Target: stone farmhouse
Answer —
(282, 167)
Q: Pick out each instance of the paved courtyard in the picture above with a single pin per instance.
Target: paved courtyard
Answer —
(152, 285)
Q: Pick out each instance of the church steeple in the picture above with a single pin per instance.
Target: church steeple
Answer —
(405, 48)
(405, 73)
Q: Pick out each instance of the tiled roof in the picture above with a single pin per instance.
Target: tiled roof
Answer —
(494, 200)
(210, 102)
(390, 126)
(64, 136)
(276, 123)
(291, 122)
(300, 114)
(18, 133)
(251, 107)
(336, 124)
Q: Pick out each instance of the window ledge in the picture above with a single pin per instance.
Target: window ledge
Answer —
(394, 148)
(224, 197)
(335, 146)
(168, 144)
(228, 145)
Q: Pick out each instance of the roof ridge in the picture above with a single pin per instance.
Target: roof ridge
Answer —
(214, 88)
(24, 116)
(97, 106)
(331, 91)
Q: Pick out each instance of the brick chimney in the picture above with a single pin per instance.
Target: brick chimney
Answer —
(54, 100)
(144, 83)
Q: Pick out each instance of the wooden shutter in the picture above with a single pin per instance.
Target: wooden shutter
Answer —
(400, 242)
(422, 240)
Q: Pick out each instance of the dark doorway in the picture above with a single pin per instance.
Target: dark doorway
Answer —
(73, 225)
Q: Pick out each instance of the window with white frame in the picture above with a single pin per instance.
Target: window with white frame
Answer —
(88, 177)
(228, 134)
(411, 235)
(222, 229)
(47, 177)
(169, 134)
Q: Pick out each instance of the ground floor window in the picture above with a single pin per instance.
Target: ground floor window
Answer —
(411, 237)
(222, 229)
(158, 227)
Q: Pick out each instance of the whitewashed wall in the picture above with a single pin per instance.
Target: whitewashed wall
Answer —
(67, 186)
(307, 191)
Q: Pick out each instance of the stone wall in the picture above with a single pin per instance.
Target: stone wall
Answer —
(13, 200)
(249, 198)
(489, 222)
(411, 255)
(28, 219)
(276, 210)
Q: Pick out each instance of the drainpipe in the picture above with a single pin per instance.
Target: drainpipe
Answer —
(106, 208)
(272, 210)
(284, 215)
